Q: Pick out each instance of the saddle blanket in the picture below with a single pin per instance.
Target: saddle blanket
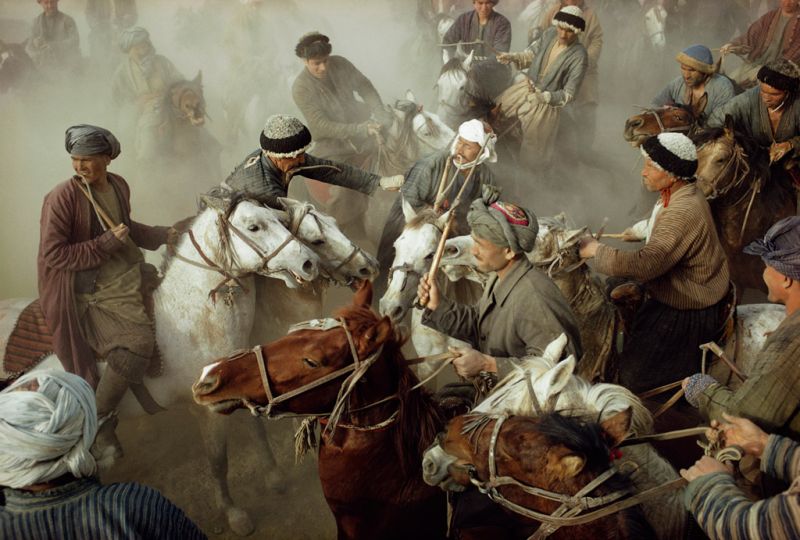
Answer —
(29, 340)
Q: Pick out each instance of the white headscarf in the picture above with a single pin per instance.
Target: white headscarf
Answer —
(48, 432)
(474, 131)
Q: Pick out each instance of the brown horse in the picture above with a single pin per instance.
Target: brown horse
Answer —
(734, 175)
(649, 122)
(369, 463)
(554, 453)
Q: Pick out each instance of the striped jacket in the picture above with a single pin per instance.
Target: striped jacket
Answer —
(86, 510)
(724, 511)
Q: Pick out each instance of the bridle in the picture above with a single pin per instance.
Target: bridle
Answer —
(660, 123)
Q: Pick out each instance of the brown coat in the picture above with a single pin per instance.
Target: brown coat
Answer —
(759, 36)
(71, 241)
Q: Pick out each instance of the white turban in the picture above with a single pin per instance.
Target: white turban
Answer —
(48, 432)
(474, 131)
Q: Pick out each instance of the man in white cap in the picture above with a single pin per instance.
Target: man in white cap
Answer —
(440, 176)
(682, 266)
(556, 64)
(48, 423)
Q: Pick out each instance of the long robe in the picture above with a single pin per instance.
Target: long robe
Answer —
(72, 243)
(467, 28)
(54, 42)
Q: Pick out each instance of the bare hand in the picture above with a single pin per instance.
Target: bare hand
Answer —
(778, 150)
(726, 49)
(505, 58)
(705, 465)
(587, 247)
(121, 232)
(470, 362)
(684, 384)
(428, 293)
(742, 432)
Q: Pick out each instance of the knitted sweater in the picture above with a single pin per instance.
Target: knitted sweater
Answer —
(683, 264)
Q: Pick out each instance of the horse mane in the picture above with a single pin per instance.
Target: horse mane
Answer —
(453, 65)
(757, 158)
(419, 419)
(426, 216)
(487, 79)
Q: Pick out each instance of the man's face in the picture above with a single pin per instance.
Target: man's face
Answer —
(483, 7)
(287, 164)
(772, 97)
(566, 36)
(776, 285)
(789, 6)
(49, 6)
(489, 257)
(466, 151)
(91, 168)
(140, 50)
(318, 67)
(692, 77)
(655, 179)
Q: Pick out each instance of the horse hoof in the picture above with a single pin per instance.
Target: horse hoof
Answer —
(239, 522)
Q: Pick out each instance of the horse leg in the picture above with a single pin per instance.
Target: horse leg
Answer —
(274, 479)
(214, 428)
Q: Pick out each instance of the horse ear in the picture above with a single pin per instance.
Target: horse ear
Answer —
(618, 426)
(729, 127)
(553, 381)
(408, 211)
(410, 96)
(383, 331)
(363, 296)
(554, 351)
(468, 60)
(198, 78)
(571, 465)
(441, 221)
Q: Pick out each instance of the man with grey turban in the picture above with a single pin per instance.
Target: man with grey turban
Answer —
(521, 310)
(771, 395)
(92, 274)
(138, 89)
(48, 422)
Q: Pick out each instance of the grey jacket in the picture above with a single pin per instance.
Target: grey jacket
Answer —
(564, 77)
(515, 317)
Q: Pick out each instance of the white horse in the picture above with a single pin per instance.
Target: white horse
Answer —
(193, 327)
(557, 388)
(449, 85)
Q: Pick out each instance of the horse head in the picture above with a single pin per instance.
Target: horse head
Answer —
(342, 260)
(414, 251)
(458, 262)
(250, 237)
(649, 122)
(187, 101)
(655, 27)
(449, 90)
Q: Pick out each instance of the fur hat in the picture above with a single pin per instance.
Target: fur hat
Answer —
(285, 136)
(313, 45)
(674, 153)
(782, 74)
(697, 57)
(570, 18)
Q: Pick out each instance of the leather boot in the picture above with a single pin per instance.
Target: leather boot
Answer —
(110, 391)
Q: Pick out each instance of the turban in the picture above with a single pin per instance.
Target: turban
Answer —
(674, 153)
(782, 74)
(475, 131)
(570, 18)
(780, 247)
(86, 140)
(697, 57)
(504, 224)
(48, 432)
(133, 36)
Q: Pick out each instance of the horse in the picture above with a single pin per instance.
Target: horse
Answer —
(733, 174)
(17, 69)
(377, 427)
(414, 250)
(449, 90)
(544, 385)
(652, 121)
(557, 453)
(204, 308)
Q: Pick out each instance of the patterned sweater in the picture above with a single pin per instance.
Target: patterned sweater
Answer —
(86, 510)
(723, 511)
(683, 264)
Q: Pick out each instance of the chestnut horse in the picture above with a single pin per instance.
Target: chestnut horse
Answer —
(369, 456)
(555, 453)
(649, 122)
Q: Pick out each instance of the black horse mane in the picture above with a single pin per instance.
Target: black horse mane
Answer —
(757, 158)
(486, 80)
(420, 418)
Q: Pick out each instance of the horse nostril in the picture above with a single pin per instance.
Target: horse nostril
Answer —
(397, 313)
(364, 271)
(308, 266)
(428, 466)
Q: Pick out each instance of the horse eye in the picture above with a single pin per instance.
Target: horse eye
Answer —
(310, 363)
(317, 242)
(429, 256)
(253, 228)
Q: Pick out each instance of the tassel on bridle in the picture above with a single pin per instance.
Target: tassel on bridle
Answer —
(305, 438)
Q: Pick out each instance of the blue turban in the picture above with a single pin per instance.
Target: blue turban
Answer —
(698, 57)
(86, 140)
(780, 247)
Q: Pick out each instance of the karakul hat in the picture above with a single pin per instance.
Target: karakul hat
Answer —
(285, 136)
(674, 153)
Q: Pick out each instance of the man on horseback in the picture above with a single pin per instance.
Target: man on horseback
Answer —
(771, 394)
(521, 310)
(92, 274)
(139, 87)
(556, 68)
(481, 30)
(699, 86)
(435, 181)
(344, 128)
(770, 115)
(54, 42)
(774, 36)
(682, 266)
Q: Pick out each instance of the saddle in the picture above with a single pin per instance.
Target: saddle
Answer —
(29, 343)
